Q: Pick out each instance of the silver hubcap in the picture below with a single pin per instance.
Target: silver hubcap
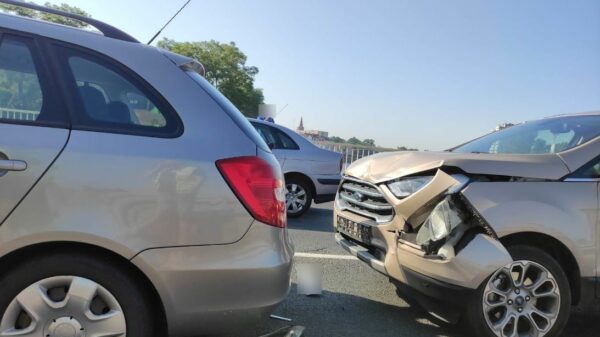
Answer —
(295, 199)
(64, 306)
(521, 299)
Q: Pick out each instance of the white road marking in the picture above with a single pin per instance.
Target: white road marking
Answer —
(326, 256)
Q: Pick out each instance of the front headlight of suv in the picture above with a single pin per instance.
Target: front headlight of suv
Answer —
(405, 187)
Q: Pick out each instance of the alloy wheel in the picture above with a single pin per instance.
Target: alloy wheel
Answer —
(521, 299)
(64, 306)
(295, 198)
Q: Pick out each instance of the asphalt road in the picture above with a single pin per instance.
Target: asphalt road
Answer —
(359, 302)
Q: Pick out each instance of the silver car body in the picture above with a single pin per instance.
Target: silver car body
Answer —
(158, 203)
(321, 166)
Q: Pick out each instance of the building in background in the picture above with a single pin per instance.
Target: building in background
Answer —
(313, 135)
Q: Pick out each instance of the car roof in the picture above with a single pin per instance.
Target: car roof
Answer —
(58, 31)
(577, 114)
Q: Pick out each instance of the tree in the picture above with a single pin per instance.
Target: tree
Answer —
(336, 139)
(226, 69)
(369, 142)
(63, 20)
(30, 13)
(354, 141)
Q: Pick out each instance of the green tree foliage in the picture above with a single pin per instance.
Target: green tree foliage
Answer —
(336, 139)
(369, 142)
(226, 69)
(62, 20)
(30, 13)
(354, 141)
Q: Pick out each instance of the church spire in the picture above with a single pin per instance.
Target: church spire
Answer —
(301, 126)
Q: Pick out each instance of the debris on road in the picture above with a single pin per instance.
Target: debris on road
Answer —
(290, 331)
(281, 318)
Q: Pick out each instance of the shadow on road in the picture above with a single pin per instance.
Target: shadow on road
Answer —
(345, 315)
(316, 219)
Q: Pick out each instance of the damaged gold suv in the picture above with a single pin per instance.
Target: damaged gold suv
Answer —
(501, 230)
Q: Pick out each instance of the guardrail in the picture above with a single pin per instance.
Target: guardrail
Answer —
(17, 114)
(350, 153)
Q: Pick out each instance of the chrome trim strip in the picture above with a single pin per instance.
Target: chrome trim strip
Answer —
(362, 191)
(582, 180)
(365, 204)
(377, 217)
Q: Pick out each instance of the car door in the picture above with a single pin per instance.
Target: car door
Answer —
(33, 122)
(590, 174)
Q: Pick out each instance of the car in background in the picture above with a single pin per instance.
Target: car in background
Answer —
(120, 214)
(311, 173)
(502, 230)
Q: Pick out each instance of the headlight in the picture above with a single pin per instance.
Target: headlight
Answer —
(442, 220)
(407, 186)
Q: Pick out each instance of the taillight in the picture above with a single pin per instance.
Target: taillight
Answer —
(258, 187)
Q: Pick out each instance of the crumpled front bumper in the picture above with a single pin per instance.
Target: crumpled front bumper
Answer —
(480, 257)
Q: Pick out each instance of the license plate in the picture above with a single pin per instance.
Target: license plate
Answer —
(354, 229)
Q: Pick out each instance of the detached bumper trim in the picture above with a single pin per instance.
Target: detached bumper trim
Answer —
(361, 253)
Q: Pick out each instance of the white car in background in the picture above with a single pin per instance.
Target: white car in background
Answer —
(311, 173)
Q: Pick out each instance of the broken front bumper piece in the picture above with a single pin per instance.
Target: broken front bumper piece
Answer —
(440, 286)
(478, 260)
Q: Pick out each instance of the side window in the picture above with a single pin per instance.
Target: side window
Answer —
(267, 135)
(590, 170)
(287, 143)
(114, 100)
(23, 99)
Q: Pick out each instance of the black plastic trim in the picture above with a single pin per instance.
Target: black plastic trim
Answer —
(321, 198)
(329, 181)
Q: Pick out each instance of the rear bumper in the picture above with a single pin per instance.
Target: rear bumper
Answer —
(221, 288)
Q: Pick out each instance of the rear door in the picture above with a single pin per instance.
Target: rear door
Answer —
(33, 124)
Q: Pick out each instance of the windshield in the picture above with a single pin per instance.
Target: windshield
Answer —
(551, 135)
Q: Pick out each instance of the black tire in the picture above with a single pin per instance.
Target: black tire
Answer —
(138, 311)
(474, 313)
(304, 185)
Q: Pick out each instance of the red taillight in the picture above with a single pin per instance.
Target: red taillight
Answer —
(258, 187)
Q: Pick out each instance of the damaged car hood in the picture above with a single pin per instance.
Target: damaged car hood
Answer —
(392, 165)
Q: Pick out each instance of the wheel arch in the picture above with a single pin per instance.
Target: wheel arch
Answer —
(16, 257)
(304, 177)
(559, 251)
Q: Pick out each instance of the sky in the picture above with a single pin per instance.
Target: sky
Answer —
(427, 74)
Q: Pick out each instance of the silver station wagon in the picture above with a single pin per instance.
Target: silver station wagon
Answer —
(124, 209)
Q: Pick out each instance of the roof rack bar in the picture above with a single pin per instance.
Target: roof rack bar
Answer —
(106, 29)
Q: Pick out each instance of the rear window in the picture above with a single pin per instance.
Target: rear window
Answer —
(230, 109)
(552, 135)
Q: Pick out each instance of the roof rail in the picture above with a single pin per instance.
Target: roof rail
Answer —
(106, 29)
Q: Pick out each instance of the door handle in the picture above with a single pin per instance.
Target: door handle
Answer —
(12, 165)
